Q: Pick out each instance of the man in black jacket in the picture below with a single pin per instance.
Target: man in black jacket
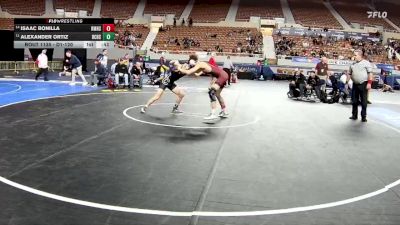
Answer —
(314, 83)
(76, 67)
(99, 74)
(121, 70)
(298, 81)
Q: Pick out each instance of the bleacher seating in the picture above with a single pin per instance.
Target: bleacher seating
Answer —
(25, 7)
(122, 9)
(227, 38)
(356, 12)
(133, 29)
(313, 13)
(391, 9)
(208, 11)
(74, 5)
(6, 24)
(342, 48)
(162, 7)
(266, 9)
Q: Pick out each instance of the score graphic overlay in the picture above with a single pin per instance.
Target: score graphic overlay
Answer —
(64, 33)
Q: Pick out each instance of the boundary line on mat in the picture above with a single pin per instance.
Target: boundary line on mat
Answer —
(125, 112)
(19, 87)
(193, 213)
(80, 82)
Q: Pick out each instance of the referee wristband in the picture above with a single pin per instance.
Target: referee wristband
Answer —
(370, 82)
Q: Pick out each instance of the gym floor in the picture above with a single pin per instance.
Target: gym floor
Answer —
(84, 156)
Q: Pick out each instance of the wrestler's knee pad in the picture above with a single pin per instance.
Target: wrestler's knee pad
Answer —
(212, 93)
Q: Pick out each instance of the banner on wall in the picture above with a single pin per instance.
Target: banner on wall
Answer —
(331, 33)
(317, 60)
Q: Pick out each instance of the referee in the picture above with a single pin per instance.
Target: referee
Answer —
(43, 65)
(227, 67)
(361, 74)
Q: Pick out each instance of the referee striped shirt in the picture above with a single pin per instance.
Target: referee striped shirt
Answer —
(359, 71)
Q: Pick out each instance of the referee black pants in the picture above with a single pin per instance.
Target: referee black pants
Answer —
(360, 95)
(228, 71)
(43, 71)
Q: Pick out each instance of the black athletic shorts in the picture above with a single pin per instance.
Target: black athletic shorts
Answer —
(170, 85)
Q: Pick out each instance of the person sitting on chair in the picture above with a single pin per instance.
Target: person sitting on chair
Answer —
(121, 69)
(136, 73)
(298, 81)
(314, 83)
(334, 83)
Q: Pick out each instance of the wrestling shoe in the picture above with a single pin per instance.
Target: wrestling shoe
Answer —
(176, 111)
(143, 109)
(211, 117)
(223, 114)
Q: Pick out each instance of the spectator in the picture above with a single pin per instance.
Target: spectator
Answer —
(42, 62)
(321, 69)
(314, 83)
(190, 22)
(103, 58)
(113, 67)
(297, 81)
(76, 67)
(183, 21)
(174, 21)
(99, 74)
(121, 70)
(136, 73)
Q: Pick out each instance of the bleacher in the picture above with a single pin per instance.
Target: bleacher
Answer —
(356, 12)
(25, 7)
(210, 11)
(134, 29)
(74, 5)
(313, 13)
(267, 9)
(204, 35)
(6, 24)
(122, 9)
(162, 7)
(342, 48)
(391, 9)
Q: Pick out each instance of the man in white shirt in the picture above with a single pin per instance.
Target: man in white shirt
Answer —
(43, 67)
(113, 67)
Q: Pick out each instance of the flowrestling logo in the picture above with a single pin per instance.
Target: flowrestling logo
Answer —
(377, 14)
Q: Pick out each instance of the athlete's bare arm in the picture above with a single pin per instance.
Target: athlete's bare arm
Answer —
(199, 67)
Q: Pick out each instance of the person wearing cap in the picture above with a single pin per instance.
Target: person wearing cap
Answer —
(42, 62)
(360, 73)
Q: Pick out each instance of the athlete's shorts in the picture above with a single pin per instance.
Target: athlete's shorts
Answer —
(170, 86)
(222, 79)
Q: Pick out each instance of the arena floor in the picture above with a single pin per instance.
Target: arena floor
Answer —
(92, 158)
